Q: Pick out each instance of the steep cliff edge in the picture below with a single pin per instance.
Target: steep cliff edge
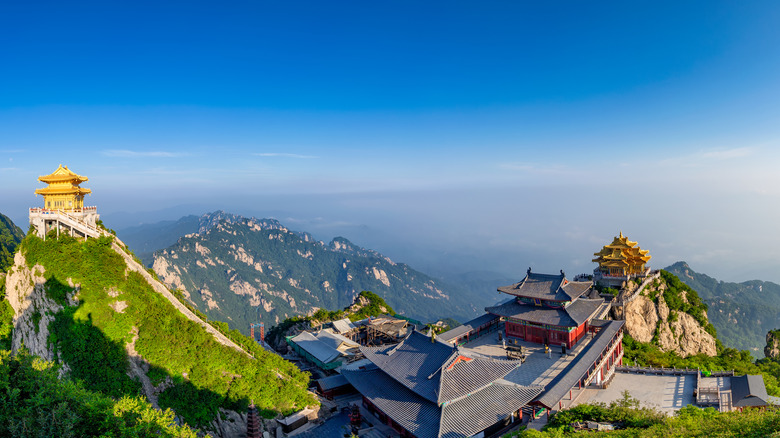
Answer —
(10, 237)
(772, 348)
(671, 315)
(94, 310)
(26, 292)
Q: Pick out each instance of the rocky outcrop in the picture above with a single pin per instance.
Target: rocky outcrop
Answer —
(772, 348)
(672, 330)
(33, 309)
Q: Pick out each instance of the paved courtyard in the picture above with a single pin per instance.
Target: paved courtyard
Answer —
(538, 368)
(665, 393)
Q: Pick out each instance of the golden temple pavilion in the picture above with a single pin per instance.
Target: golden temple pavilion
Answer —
(63, 191)
(622, 258)
(63, 206)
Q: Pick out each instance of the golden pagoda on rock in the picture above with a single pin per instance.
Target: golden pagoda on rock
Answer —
(622, 258)
(63, 191)
(63, 206)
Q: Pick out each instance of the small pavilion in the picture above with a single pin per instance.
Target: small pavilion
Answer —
(620, 260)
(63, 191)
(63, 205)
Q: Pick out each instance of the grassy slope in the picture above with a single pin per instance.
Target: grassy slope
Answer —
(35, 402)
(91, 337)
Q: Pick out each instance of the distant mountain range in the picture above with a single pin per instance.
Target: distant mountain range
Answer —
(235, 269)
(742, 313)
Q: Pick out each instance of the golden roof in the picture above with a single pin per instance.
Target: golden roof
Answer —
(622, 252)
(63, 174)
(63, 181)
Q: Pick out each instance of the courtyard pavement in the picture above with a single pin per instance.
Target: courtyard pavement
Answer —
(538, 368)
(665, 393)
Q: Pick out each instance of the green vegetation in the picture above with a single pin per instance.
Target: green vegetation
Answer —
(92, 336)
(625, 413)
(6, 318)
(10, 237)
(742, 313)
(689, 421)
(681, 297)
(34, 402)
(376, 306)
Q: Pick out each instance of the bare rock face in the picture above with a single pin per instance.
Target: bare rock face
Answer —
(685, 336)
(33, 309)
(772, 349)
(677, 331)
(641, 318)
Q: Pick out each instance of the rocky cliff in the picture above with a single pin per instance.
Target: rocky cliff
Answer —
(772, 348)
(33, 309)
(650, 318)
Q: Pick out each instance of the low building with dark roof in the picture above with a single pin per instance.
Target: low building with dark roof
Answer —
(478, 326)
(548, 309)
(748, 391)
(325, 349)
(423, 387)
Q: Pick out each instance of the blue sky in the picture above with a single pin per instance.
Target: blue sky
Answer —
(488, 135)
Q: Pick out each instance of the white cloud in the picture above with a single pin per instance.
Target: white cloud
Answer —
(125, 153)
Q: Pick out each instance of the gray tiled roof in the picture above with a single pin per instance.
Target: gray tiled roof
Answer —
(412, 361)
(323, 352)
(547, 287)
(748, 390)
(572, 316)
(462, 377)
(436, 371)
(330, 382)
(414, 413)
(343, 325)
(462, 329)
(485, 408)
(335, 340)
(322, 345)
(426, 419)
(568, 378)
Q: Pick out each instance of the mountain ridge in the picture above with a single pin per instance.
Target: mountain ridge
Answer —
(242, 267)
(742, 313)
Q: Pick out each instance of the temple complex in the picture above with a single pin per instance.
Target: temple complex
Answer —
(549, 309)
(63, 206)
(619, 261)
(426, 388)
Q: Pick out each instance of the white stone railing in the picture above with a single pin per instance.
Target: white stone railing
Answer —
(639, 290)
